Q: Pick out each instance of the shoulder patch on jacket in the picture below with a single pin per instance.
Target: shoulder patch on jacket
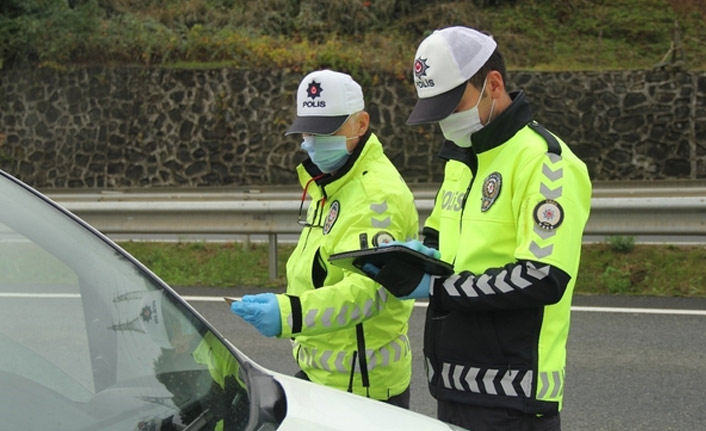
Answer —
(548, 214)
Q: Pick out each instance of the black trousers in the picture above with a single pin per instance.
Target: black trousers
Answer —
(401, 400)
(494, 419)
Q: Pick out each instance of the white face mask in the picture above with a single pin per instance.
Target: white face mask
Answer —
(329, 153)
(459, 126)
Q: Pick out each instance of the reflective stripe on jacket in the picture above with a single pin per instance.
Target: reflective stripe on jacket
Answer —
(347, 331)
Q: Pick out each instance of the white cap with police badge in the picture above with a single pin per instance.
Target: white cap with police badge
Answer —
(444, 62)
(325, 99)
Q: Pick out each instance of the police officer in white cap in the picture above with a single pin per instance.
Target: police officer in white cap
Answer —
(496, 330)
(348, 332)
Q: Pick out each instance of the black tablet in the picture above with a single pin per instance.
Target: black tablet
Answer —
(355, 259)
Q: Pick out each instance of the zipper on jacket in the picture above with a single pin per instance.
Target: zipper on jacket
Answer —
(361, 360)
(350, 378)
(463, 208)
(474, 171)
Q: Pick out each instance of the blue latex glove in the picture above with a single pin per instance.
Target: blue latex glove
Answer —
(417, 246)
(419, 292)
(422, 289)
(261, 311)
(371, 270)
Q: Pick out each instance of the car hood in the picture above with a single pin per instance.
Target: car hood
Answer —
(312, 406)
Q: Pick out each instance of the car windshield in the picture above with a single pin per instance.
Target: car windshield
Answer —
(91, 340)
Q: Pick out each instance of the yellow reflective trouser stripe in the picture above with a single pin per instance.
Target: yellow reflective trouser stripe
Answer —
(329, 360)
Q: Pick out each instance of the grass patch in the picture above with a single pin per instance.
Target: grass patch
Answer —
(618, 267)
(364, 38)
(210, 264)
(644, 270)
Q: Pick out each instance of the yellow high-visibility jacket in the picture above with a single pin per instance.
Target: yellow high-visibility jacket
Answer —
(445, 217)
(348, 332)
(496, 330)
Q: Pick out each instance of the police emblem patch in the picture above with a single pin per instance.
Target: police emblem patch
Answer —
(420, 67)
(382, 238)
(314, 90)
(548, 214)
(332, 216)
(491, 190)
(146, 314)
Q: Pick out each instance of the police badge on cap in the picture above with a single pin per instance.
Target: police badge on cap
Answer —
(314, 90)
(325, 100)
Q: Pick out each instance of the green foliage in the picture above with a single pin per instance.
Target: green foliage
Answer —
(647, 270)
(617, 281)
(209, 264)
(41, 30)
(371, 36)
(622, 244)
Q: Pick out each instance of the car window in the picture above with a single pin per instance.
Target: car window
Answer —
(91, 340)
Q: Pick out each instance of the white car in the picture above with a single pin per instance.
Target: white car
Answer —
(90, 339)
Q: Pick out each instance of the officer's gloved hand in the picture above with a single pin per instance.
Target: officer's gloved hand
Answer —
(261, 311)
(402, 279)
(422, 289)
(417, 246)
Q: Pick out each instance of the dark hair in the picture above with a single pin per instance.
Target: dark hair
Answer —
(495, 62)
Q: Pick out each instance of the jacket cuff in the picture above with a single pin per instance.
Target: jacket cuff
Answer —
(285, 313)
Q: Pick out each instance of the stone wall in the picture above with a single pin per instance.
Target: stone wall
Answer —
(133, 127)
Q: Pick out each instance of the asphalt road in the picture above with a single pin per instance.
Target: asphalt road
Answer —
(630, 365)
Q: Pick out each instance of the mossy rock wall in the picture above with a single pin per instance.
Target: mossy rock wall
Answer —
(137, 127)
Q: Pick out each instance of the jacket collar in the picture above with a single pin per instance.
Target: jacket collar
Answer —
(451, 151)
(505, 125)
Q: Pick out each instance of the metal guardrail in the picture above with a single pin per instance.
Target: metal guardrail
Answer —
(615, 211)
(609, 216)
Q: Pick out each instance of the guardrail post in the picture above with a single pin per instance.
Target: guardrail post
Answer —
(273, 255)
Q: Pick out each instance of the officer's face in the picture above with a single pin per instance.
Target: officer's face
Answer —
(354, 128)
(472, 96)
(347, 130)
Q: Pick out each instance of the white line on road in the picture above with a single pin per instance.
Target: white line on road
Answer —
(574, 308)
(640, 310)
(41, 295)
(191, 298)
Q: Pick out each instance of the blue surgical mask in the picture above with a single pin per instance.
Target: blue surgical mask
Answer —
(329, 153)
(459, 126)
